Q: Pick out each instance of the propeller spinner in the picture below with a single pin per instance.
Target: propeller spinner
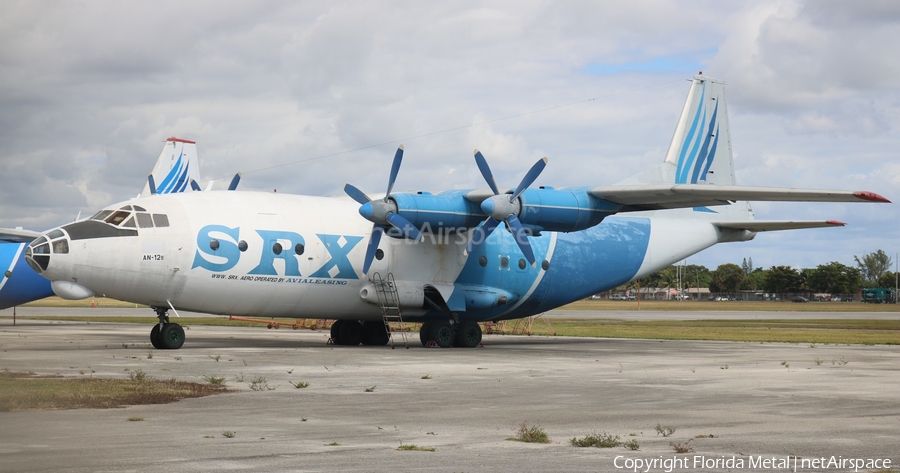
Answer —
(504, 208)
(383, 213)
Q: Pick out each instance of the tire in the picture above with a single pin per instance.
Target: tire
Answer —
(425, 332)
(375, 334)
(442, 333)
(468, 335)
(171, 337)
(336, 331)
(154, 337)
(351, 333)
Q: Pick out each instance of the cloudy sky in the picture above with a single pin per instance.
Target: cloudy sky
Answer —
(305, 96)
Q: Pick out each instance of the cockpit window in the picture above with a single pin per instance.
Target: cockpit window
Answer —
(61, 246)
(101, 215)
(128, 223)
(55, 234)
(144, 220)
(161, 220)
(117, 217)
(139, 208)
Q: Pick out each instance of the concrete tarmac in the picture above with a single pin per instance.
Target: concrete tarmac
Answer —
(749, 401)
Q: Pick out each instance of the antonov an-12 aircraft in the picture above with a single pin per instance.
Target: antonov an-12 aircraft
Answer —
(451, 259)
(176, 167)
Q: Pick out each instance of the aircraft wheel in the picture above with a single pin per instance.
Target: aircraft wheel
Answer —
(425, 332)
(171, 337)
(336, 332)
(375, 334)
(469, 335)
(154, 337)
(442, 333)
(351, 333)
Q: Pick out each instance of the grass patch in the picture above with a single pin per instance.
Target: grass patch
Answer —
(601, 440)
(754, 306)
(28, 391)
(299, 384)
(414, 448)
(836, 331)
(533, 434)
(812, 331)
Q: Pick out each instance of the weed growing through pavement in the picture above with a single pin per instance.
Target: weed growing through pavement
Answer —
(664, 430)
(533, 434)
(601, 440)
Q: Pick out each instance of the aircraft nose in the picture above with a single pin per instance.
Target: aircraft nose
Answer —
(37, 254)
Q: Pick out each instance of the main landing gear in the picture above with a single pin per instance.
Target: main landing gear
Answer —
(352, 333)
(166, 335)
(442, 333)
(445, 334)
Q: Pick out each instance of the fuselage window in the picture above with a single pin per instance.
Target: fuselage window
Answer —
(379, 254)
(214, 244)
(522, 264)
(161, 220)
(144, 220)
(545, 265)
(117, 217)
(242, 245)
(504, 262)
(128, 223)
(276, 248)
(298, 248)
(482, 261)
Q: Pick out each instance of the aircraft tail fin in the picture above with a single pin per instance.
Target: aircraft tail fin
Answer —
(700, 151)
(175, 168)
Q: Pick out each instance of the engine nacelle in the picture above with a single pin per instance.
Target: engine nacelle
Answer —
(448, 210)
(565, 210)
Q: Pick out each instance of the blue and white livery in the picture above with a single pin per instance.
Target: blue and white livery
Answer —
(452, 259)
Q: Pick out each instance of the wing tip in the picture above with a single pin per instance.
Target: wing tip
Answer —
(836, 223)
(871, 197)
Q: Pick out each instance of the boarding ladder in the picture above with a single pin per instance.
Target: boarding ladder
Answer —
(389, 301)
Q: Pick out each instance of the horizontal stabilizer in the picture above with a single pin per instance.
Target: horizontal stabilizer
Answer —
(775, 225)
(674, 196)
(17, 235)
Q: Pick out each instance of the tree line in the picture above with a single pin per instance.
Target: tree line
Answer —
(871, 270)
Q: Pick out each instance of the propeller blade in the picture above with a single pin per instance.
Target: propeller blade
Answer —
(152, 183)
(521, 237)
(374, 240)
(405, 226)
(195, 186)
(234, 182)
(529, 178)
(356, 194)
(486, 171)
(395, 168)
(480, 234)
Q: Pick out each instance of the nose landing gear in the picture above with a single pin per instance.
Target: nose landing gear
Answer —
(166, 335)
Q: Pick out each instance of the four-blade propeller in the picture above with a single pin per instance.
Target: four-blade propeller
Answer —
(383, 213)
(504, 208)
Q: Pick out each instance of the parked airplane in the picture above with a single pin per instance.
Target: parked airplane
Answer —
(176, 167)
(280, 255)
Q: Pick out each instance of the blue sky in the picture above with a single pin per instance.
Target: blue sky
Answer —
(89, 91)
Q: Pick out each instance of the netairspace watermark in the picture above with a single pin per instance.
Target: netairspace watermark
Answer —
(750, 463)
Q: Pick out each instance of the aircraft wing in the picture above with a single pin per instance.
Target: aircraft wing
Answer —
(774, 225)
(17, 235)
(674, 196)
